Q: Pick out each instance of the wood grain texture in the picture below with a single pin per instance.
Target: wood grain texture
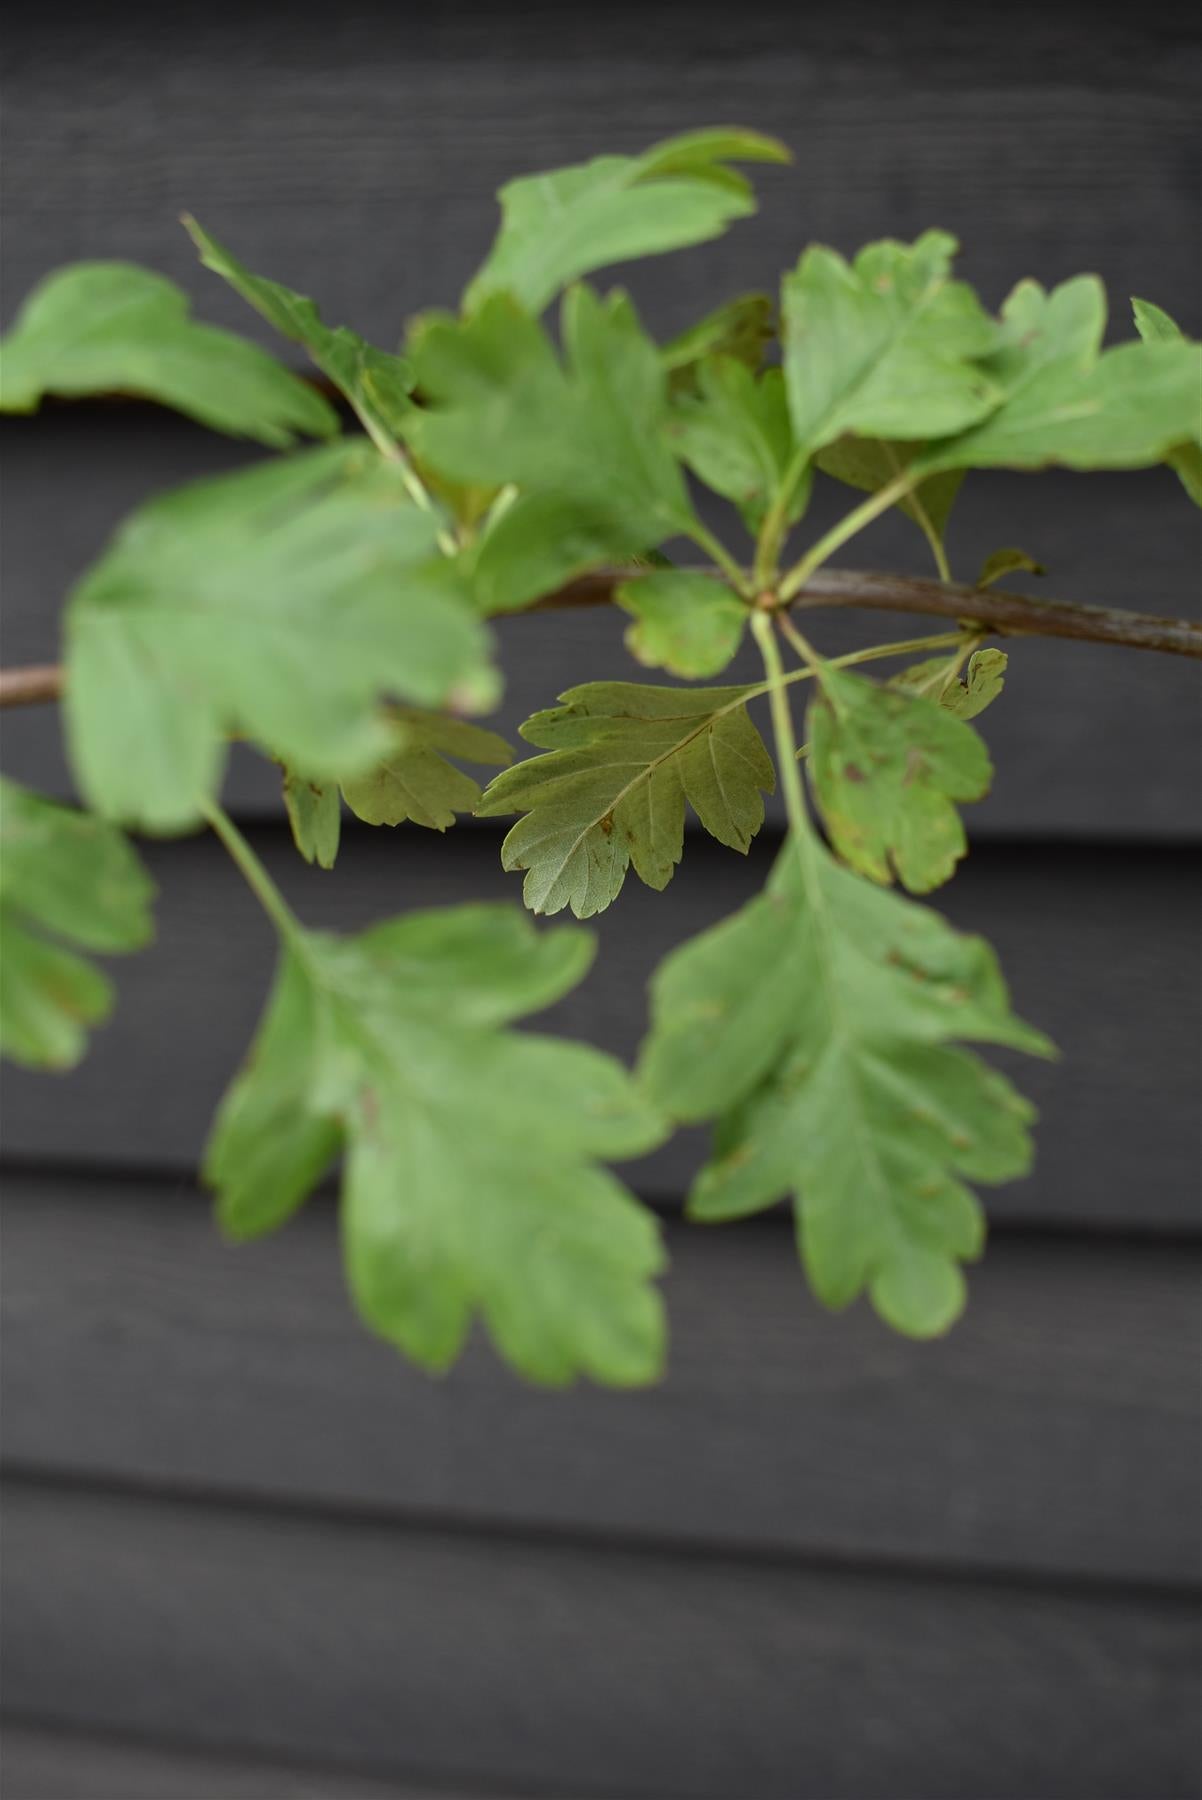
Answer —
(1090, 741)
(540, 1665)
(1054, 1431)
(355, 156)
(1101, 950)
(41, 1764)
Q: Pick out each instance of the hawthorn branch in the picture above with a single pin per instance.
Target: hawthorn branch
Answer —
(28, 686)
(999, 614)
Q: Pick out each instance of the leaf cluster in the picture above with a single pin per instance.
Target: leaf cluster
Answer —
(330, 606)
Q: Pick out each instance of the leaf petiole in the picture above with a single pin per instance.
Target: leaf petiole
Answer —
(776, 520)
(257, 879)
(846, 528)
(705, 540)
(782, 726)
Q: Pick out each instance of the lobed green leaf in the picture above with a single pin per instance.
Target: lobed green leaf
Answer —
(688, 623)
(581, 438)
(470, 1184)
(376, 382)
(1156, 327)
(888, 346)
(104, 327)
(1067, 402)
(732, 429)
(623, 761)
(815, 1025)
(415, 781)
(561, 225)
(283, 603)
(885, 767)
(65, 878)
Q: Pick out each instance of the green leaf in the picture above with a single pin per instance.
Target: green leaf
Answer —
(733, 431)
(103, 327)
(415, 780)
(871, 464)
(1005, 562)
(814, 1024)
(469, 1182)
(376, 383)
(886, 346)
(886, 767)
(1065, 403)
(691, 624)
(63, 876)
(583, 439)
(623, 760)
(282, 603)
(1156, 327)
(938, 680)
(563, 224)
(741, 328)
(315, 817)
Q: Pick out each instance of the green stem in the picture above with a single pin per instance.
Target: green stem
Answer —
(257, 879)
(942, 566)
(809, 656)
(415, 487)
(782, 727)
(952, 667)
(847, 527)
(943, 640)
(776, 522)
(717, 552)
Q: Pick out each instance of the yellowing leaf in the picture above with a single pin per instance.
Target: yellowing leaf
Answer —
(111, 327)
(415, 781)
(691, 624)
(283, 603)
(470, 1186)
(558, 226)
(886, 767)
(315, 817)
(65, 878)
(1009, 561)
(937, 679)
(815, 1026)
(623, 761)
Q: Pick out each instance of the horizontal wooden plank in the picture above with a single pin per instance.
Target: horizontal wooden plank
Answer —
(1101, 949)
(1090, 742)
(545, 1665)
(357, 160)
(40, 1764)
(1054, 1431)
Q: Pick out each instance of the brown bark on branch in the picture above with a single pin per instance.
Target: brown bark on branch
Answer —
(1006, 614)
(1000, 613)
(25, 687)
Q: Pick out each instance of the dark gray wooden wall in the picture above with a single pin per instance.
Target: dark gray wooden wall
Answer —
(248, 1552)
